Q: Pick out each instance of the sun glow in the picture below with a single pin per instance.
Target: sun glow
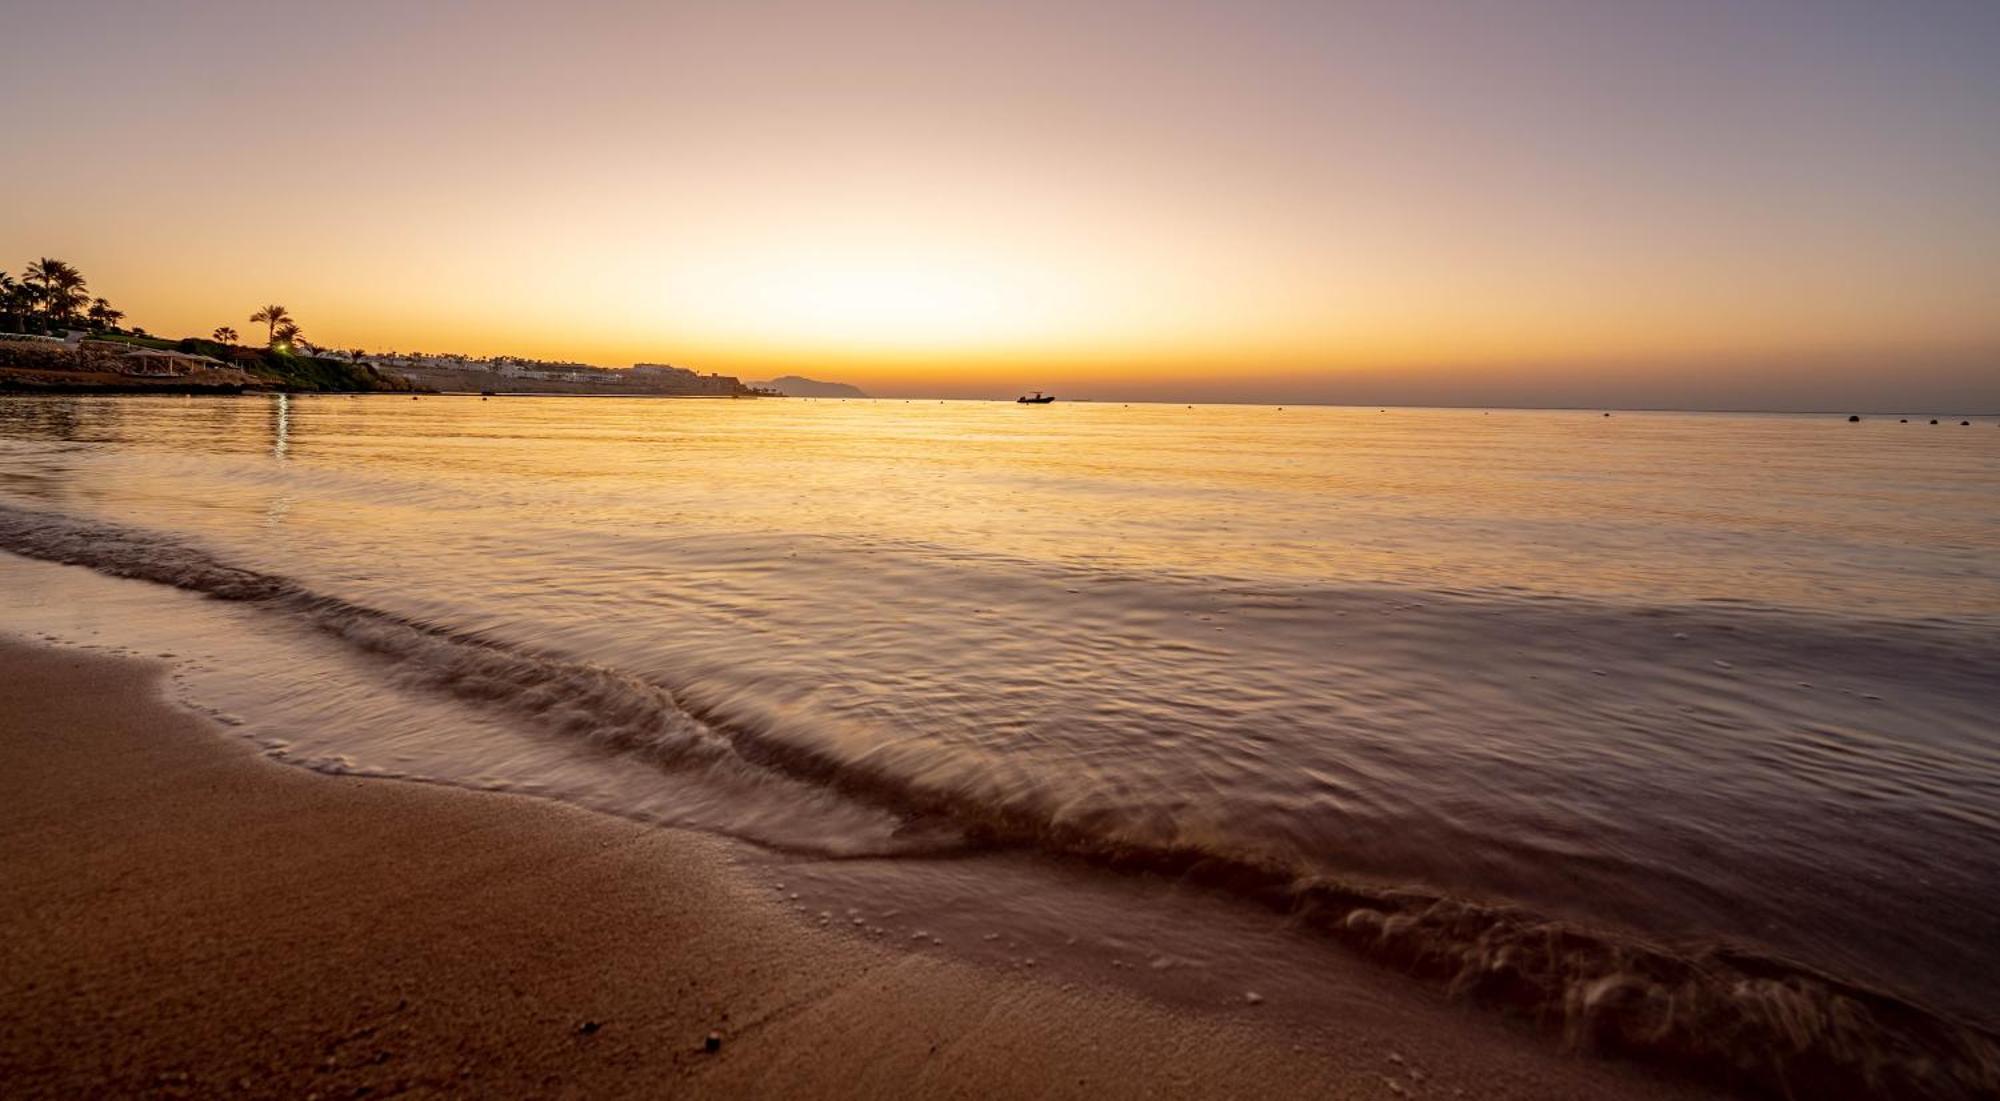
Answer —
(893, 301)
(967, 199)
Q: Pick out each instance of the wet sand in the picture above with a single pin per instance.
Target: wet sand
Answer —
(180, 916)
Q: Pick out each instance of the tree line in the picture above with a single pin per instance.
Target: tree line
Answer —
(51, 296)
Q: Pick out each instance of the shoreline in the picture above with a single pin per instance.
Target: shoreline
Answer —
(182, 915)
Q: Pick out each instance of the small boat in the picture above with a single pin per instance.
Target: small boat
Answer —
(1038, 399)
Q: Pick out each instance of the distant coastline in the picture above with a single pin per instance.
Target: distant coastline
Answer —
(55, 337)
(798, 386)
(123, 363)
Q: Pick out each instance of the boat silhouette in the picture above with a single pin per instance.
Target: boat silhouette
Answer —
(1038, 399)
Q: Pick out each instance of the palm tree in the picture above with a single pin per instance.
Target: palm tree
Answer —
(103, 316)
(59, 286)
(224, 335)
(355, 354)
(284, 333)
(38, 276)
(274, 316)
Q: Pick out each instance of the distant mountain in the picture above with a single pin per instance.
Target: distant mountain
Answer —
(794, 386)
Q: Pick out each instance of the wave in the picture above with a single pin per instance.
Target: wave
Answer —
(590, 705)
(1721, 1012)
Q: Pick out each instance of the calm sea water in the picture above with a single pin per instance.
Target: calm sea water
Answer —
(1717, 698)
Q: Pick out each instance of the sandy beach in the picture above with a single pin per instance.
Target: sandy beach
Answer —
(183, 917)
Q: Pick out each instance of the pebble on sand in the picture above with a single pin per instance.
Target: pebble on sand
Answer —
(1251, 997)
(713, 1043)
(1853, 419)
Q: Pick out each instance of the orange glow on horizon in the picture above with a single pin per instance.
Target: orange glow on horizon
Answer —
(972, 200)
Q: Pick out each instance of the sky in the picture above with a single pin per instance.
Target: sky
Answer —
(1681, 204)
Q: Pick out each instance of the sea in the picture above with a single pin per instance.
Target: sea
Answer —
(1677, 735)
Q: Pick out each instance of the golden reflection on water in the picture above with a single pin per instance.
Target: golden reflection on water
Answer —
(1693, 674)
(1792, 511)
